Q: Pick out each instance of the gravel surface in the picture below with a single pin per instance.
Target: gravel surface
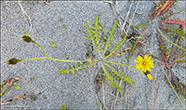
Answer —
(77, 91)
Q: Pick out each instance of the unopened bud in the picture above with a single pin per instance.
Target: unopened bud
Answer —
(26, 39)
(147, 73)
(12, 61)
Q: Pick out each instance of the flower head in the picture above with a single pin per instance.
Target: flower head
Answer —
(145, 63)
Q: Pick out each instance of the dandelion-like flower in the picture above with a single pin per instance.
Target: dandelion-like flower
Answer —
(145, 63)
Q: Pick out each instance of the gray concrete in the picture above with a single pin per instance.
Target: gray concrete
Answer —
(76, 91)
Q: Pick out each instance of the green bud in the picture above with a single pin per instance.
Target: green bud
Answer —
(26, 39)
(12, 61)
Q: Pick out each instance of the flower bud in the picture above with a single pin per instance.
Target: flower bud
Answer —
(12, 61)
(26, 39)
(147, 73)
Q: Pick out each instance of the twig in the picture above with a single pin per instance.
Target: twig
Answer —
(104, 105)
(24, 13)
(110, 94)
(106, 16)
(122, 28)
(132, 17)
(116, 13)
(27, 84)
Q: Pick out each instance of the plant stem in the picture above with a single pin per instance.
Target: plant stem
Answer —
(40, 47)
(33, 58)
(169, 40)
(64, 60)
(54, 59)
(119, 63)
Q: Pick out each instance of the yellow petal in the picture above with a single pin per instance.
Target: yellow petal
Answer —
(136, 61)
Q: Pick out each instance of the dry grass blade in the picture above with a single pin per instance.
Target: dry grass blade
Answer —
(27, 84)
(132, 17)
(157, 90)
(117, 95)
(104, 105)
(122, 28)
(25, 15)
(14, 99)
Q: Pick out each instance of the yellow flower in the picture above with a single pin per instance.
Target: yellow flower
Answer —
(145, 63)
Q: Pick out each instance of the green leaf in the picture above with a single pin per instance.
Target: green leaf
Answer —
(142, 24)
(120, 75)
(76, 68)
(64, 71)
(53, 45)
(178, 31)
(117, 46)
(98, 102)
(96, 21)
(110, 37)
(2, 85)
(126, 78)
(4, 91)
(111, 82)
(101, 24)
(26, 34)
(94, 35)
